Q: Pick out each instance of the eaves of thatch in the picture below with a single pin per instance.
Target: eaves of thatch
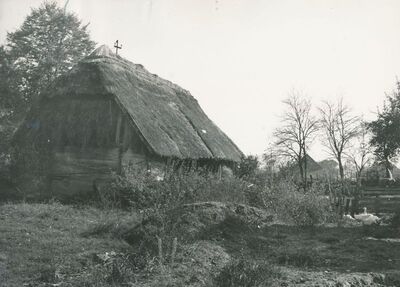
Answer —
(169, 120)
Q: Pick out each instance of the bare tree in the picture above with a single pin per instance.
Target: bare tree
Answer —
(360, 153)
(339, 127)
(297, 132)
(359, 156)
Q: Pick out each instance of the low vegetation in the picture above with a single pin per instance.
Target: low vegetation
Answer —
(193, 230)
(243, 272)
(44, 244)
(140, 189)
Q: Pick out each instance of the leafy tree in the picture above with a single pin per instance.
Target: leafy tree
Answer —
(8, 95)
(385, 131)
(9, 99)
(49, 42)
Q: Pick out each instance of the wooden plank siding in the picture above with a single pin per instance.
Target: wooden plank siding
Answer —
(76, 170)
(79, 170)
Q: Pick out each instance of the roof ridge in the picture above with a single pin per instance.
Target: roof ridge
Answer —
(104, 51)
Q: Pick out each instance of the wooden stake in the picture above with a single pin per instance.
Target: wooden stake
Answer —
(174, 244)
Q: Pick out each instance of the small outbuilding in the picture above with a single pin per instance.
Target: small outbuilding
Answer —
(108, 112)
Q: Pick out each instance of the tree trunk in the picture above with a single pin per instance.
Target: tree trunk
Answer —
(305, 171)
(341, 170)
(341, 195)
(387, 167)
(357, 193)
(300, 164)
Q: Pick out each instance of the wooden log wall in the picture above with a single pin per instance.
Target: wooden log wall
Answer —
(78, 168)
(77, 171)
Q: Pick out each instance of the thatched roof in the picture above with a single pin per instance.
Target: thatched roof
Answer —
(312, 165)
(168, 118)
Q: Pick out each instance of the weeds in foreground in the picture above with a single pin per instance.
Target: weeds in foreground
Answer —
(245, 273)
(304, 258)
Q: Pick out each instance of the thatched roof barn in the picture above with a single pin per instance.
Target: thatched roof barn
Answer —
(107, 112)
(314, 169)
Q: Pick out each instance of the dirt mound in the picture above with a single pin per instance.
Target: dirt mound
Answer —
(192, 219)
(200, 262)
(196, 265)
(188, 221)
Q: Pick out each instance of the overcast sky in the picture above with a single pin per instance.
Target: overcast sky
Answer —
(240, 58)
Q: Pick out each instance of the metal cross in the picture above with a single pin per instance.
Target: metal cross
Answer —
(117, 47)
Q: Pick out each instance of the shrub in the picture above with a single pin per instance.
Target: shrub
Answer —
(143, 191)
(140, 189)
(247, 167)
(295, 206)
(281, 196)
(245, 273)
(134, 188)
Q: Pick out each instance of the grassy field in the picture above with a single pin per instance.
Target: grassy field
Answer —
(340, 249)
(57, 245)
(44, 242)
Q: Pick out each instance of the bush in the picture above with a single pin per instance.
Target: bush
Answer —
(140, 189)
(247, 167)
(295, 206)
(134, 188)
(245, 273)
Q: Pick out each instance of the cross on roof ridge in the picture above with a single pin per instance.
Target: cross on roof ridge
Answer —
(117, 47)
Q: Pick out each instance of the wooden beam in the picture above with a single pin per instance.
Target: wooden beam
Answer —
(118, 131)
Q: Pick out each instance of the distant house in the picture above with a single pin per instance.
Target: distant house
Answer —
(108, 112)
(316, 170)
(330, 167)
